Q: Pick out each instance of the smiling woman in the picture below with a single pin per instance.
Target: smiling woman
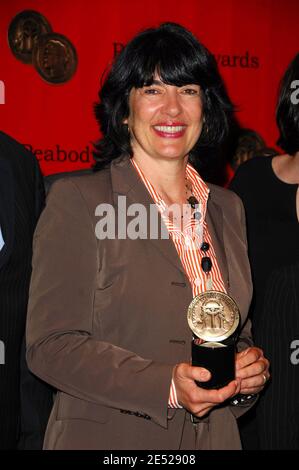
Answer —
(108, 316)
(160, 65)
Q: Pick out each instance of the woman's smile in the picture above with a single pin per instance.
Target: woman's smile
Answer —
(170, 131)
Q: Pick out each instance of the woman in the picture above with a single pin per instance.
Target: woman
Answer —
(107, 316)
(269, 190)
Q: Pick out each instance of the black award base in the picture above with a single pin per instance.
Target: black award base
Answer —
(218, 358)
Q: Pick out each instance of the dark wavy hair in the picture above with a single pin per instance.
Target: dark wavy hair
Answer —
(180, 59)
(287, 112)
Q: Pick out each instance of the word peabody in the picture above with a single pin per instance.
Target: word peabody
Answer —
(151, 459)
(60, 155)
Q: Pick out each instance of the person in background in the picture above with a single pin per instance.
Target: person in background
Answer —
(25, 401)
(268, 188)
(248, 144)
(241, 145)
(107, 323)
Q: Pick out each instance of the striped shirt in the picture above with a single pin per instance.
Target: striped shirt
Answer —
(188, 241)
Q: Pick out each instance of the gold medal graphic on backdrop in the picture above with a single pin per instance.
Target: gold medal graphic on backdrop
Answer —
(32, 41)
(55, 58)
(24, 32)
(213, 316)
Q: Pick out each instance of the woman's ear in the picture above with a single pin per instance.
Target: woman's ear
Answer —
(126, 123)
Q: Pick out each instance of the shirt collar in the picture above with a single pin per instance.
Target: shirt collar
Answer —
(199, 187)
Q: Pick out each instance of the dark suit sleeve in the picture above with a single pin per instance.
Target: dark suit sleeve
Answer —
(36, 395)
(245, 338)
(39, 191)
(36, 405)
(237, 185)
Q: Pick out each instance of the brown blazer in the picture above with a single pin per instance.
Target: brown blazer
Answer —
(107, 319)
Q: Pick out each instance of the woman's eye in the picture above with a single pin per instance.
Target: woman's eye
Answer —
(150, 91)
(190, 91)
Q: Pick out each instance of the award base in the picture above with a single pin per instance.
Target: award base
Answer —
(218, 358)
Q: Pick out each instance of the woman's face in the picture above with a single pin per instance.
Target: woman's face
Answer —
(165, 121)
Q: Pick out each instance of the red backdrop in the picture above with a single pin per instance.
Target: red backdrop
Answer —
(253, 41)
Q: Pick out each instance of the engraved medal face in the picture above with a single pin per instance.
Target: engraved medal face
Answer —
(55, 58)
(213, 316)
(24, 32)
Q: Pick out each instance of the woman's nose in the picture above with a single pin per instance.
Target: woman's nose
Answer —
(172, 105)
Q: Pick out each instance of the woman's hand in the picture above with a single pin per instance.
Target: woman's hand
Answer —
(197, 400)
(252, 369)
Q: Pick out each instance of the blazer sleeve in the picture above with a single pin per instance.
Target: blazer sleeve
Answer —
(62, 348)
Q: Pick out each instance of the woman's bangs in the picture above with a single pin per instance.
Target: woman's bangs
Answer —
(173, 67)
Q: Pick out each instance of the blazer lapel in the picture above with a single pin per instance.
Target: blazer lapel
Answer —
(7, 214)
(126, 182)
(215, 224)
